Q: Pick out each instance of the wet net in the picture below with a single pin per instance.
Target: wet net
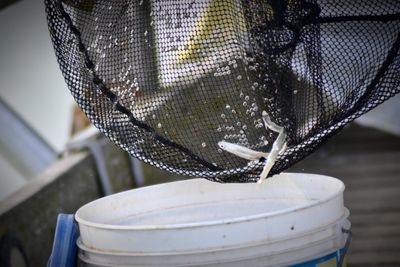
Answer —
(222, 88)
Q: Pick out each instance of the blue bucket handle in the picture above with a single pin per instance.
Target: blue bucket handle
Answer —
(344, 250)
(64, 250)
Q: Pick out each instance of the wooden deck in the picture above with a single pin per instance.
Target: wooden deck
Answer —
(368, 162)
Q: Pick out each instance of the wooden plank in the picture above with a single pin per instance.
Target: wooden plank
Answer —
(372, 148)
(381, 206)
(388, 194)
(378, 231)
(346, 165)
(380, 200)
(371, 218)
(368, 182)
(374, 259)
(375, 244)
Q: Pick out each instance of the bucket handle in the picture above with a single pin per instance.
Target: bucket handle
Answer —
(346, 245)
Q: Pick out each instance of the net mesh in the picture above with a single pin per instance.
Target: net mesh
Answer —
(167, 81)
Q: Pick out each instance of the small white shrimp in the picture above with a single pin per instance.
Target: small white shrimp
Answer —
(242, 151)
(279, 146)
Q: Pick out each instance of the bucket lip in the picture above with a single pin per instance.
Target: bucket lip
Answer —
(343, 220)
(83, 256)
(105, 226)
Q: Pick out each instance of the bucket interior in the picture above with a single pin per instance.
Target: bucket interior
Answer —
(199, 201)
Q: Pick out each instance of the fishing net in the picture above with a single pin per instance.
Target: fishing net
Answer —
(209, 88)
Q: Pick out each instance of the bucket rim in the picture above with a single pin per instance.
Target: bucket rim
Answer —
(84, 258)
(241, 219)
(341, 221)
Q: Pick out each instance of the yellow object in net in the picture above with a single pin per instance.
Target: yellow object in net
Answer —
(218, 23)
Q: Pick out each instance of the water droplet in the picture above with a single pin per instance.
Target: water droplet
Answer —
(246, 98)
(219, 129)
(233, 111)
(159, 125)
(295, 92)
(145, 33)
(203, 144)
(223, 116)
(227, 106)
(219, 150)
(239, 77)
(244, 127)
(238, 123)
(154, 116)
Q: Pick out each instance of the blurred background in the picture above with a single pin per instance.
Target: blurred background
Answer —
(35, 103)
(52, 160)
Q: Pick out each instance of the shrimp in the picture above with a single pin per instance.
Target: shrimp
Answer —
(278, 147)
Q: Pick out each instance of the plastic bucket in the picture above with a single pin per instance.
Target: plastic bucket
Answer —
(288, 220)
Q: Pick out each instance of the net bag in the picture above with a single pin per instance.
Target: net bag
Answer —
(228, 90)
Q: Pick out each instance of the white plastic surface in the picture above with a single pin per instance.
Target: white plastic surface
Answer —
(198, 216)
(301, 248)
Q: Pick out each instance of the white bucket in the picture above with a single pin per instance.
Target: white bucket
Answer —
(289, 219)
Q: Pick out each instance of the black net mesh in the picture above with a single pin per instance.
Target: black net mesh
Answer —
(169, 80)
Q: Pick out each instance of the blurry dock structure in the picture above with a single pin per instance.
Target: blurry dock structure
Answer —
(28, 217)
(368, 162)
